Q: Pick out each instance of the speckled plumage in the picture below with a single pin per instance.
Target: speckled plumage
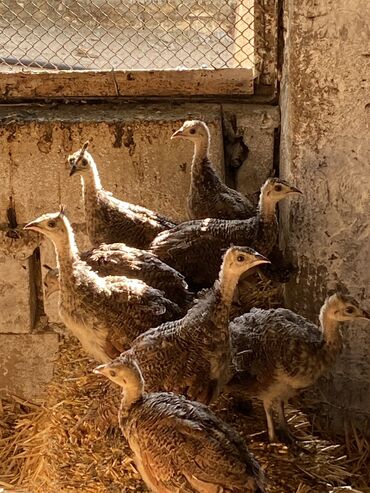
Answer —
(179, 445)
(108, 219)
(208, 195)
(195, 248)
(105, 313)
(276, 352)
(192, 355)
(118, 259)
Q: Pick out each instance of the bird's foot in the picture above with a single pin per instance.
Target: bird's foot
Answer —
(285, 436)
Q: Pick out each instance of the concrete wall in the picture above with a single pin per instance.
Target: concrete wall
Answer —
(137, 161)
(325, 151)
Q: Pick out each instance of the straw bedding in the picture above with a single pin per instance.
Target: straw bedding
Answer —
(71, 444)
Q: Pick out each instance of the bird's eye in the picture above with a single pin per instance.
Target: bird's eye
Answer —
(240, 258)
(278, 188)
(192, 131)
(51, 224)
(84, 162)
(112, 373)
(350, 309)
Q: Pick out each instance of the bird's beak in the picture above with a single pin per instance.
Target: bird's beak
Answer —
(294, 190)
(100, 370)
(260, 259)
(73, 170)
(33, 225)
(178, 133)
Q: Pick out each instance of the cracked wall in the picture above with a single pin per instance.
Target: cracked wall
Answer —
(325, 151)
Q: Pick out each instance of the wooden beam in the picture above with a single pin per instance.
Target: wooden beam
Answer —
(126, 83)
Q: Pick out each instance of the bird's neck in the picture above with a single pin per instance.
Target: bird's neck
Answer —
(330, 328)
(201, 155)
(67, 255)
(130, 395)
(224, 291)
(91, 179)
(267, 209)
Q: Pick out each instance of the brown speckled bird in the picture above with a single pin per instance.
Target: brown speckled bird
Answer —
(277, 353)
(179, 445)
(118, 259)
(192, 356)
(108, 219)
(105, 313)
(208, 195)
(195, 248)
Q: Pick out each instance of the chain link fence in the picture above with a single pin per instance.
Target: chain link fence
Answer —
(126, 34)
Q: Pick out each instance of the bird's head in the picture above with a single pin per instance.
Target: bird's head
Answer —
(80, 161)
(342, 308)
(123, 371)
(53, 225)
(194, 130)
(51, 281)
(239, 259)
(276, 189)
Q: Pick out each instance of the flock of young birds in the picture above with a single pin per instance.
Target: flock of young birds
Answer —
(151, 303)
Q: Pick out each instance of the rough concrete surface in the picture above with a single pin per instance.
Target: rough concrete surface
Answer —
(17, 311)
(131, 145)
(325, 152)
(257, 124)
(26, 363)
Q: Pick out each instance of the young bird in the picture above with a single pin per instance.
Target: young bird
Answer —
(277, 353)
(104, 313)
(192, 356)
(180, 445)
(110, 220)
(208, 195)
(195, 248)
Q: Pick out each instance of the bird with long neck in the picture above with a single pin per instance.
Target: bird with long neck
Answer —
(104, 313)
(108, 219)
(208, 195)
(277, 353)
(192, 355)
(195, 248)
(179, 445)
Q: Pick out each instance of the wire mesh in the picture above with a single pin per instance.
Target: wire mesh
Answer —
(126, 34)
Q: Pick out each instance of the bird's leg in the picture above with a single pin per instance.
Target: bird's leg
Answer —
(270, 422)
(285, 435)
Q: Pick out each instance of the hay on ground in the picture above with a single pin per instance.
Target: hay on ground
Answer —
(72, 444)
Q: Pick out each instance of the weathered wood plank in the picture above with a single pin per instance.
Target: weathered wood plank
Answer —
(133, 83)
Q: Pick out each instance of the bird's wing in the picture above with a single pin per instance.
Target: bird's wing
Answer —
(238, 202)
(212, 454)
(142, 213)
(264, 340)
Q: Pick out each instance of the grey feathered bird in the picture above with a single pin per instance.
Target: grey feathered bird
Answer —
(108, 219)
(179, 445)
(118, 259)
(191, 356)
(105, 313)
(195, 248)
(276, 352)
(208, 195)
